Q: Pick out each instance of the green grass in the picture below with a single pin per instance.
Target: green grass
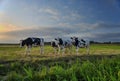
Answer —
(11, 52)
(103, 64)
(104, 69)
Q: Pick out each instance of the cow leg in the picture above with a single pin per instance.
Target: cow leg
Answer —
(42, 47)
(70, 50)
(29, 49)
(55, 50)
(63, 50)
(88, 49)
(26, 50)
(77, 49)
(59, 49)
(41, 50)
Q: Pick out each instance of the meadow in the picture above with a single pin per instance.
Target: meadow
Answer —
(102, 64)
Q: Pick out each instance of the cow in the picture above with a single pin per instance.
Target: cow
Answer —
(61, 44)
(80, 43)
(32, 41)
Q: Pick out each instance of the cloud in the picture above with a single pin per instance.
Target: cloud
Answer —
(105, 25)
(50, 11)
(7, 27)
(106, 36)
(58, 15)
(66, 30)
(60, 30)
(72, 16)
(106, 28)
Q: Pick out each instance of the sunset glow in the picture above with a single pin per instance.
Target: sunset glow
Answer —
(8, 28)
(97, 20)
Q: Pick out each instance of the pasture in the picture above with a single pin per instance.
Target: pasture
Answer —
(102, 64)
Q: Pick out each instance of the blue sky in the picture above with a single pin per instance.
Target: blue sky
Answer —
(97, 20)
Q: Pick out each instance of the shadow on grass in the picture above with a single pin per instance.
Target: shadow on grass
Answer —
(59, 58)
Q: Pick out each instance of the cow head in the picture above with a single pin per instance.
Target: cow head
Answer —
(22, 43)
(59, 40)
(74, 39)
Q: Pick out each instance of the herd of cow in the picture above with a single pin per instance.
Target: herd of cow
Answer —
(58, 44)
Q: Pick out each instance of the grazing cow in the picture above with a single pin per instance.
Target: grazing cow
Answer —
(80, 43)
(61, 44)
(32, 41)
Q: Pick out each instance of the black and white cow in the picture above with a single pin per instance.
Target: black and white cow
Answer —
(32, 41)
(61, 44)
(80, 43)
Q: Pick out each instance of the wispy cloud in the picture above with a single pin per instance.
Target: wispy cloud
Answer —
(50, 11)
(105, 25)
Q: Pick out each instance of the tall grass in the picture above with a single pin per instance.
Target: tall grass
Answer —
(105, 69)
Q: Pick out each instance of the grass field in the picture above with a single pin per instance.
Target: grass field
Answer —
(103, 64)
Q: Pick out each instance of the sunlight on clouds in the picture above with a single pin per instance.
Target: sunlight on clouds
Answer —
(8, 27)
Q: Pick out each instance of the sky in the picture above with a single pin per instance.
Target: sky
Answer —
(97, 20)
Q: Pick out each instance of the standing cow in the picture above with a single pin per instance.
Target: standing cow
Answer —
(80, 43)
(61, 44)
(32, 41)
